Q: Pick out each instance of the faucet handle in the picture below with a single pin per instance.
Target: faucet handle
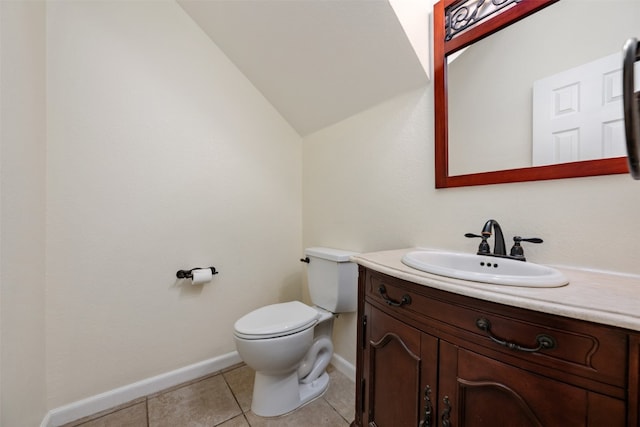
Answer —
(484, 245)
(516, 249)
(529, 239)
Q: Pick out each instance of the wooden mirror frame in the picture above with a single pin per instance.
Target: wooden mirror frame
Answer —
(442, 48)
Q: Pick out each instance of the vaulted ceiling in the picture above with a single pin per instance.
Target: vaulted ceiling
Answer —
(316, 61)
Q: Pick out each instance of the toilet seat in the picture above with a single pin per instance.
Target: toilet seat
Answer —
(276, 320)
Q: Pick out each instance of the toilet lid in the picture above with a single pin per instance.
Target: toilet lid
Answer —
(276, 320)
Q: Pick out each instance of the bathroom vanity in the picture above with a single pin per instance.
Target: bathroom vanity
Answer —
(434, 351)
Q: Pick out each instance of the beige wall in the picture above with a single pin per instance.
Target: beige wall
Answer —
(368, 185)
(22, 213)
(158, 155)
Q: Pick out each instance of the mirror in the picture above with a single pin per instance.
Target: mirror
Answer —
(479, 114)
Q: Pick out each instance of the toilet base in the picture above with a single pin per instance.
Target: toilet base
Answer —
(275, 396)
(314, 389)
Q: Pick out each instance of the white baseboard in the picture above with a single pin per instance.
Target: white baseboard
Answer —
(110, 399)
(100, 402)
(341, 364)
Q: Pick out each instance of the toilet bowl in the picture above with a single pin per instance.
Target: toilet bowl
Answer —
(287, 354)
(289, 344)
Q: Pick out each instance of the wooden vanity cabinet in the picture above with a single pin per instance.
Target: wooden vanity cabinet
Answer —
(433, 358)
(401, 367)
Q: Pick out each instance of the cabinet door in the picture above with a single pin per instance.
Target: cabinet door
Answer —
(476, 391)
(401, 373)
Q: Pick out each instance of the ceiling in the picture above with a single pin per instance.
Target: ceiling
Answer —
(316, 61)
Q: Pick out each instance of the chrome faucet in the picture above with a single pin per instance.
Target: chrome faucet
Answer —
(499, 247)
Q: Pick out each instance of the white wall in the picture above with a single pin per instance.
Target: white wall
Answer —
(22, 213)
(368, 185)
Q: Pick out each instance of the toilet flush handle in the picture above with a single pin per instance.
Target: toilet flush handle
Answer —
(306, 259)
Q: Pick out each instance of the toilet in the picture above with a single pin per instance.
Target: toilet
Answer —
(289, 344)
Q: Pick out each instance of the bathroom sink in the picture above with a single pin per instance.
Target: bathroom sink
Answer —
(485, 269)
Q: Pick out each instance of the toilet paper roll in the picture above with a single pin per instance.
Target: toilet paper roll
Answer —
(201, 275)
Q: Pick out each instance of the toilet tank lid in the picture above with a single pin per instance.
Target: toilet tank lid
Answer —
(277, 319)
(330, 254)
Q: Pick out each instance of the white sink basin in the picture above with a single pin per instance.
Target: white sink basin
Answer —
(485, 269)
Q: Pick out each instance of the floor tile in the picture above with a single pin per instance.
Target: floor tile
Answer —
(132, 416)
(341, 394)
(315, 414)
(240, 381)
(239, 421)
(204, 403)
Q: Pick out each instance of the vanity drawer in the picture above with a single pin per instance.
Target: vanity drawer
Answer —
(524, 337)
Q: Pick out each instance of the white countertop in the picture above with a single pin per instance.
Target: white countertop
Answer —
(601, 297)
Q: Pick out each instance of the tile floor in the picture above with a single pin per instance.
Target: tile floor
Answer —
(224, 400)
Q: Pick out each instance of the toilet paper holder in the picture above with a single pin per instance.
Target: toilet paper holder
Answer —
(188, 274)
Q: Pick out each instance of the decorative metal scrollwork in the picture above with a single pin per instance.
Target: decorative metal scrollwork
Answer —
(446, 422)
(545, 342)
(428, 408)
(468, 13)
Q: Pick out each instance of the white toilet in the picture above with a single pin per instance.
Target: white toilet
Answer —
(289, 344)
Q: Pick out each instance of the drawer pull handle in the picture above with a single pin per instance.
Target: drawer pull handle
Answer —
(545, 342)
(406, 299)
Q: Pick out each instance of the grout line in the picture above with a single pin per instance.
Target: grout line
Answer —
(234, 396)
(336, 411)
(324, 396)
(146, 404)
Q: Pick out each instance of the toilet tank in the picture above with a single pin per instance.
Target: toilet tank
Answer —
(333, 279)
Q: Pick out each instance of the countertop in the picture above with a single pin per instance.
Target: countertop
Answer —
(601, 297)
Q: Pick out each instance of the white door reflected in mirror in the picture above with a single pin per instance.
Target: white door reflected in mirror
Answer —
(578, 115)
